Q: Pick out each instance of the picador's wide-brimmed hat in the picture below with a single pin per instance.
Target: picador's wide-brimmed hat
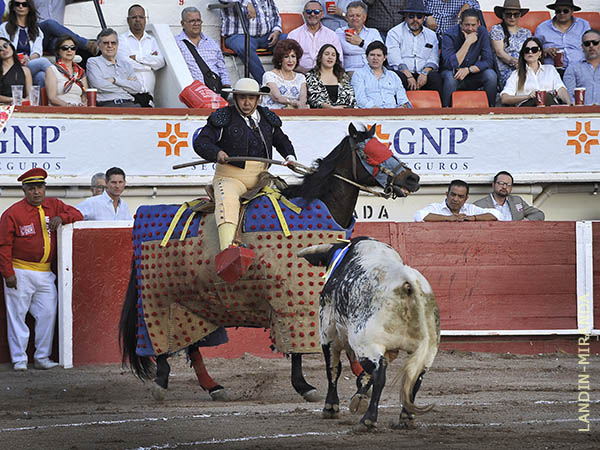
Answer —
(509, 4)
(247, 86)
(416, 7)
(558, 3)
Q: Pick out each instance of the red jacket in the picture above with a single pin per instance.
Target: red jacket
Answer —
(21, 233)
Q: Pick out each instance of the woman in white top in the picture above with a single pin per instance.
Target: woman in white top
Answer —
(65, 81)
(288, 88)
(532, 76)
(23, 31)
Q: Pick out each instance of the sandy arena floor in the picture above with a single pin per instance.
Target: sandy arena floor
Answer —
(483, 401)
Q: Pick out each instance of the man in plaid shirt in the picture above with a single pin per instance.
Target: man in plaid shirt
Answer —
(445, 13)
(264, 26)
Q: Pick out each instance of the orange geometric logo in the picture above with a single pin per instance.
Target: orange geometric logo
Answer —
(583, 142)
(174, 139)
(380, 135)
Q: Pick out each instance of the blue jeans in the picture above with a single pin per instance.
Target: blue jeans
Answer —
(486, 79)
(38, 68)
(52, 30)
(236, 43)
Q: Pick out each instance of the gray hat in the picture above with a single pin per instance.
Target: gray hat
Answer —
(247, 86)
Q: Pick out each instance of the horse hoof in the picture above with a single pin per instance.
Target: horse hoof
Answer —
(359, 404)
(364, 427)
(331, 412)
(219, 394)
(158, 393)
(311, 396)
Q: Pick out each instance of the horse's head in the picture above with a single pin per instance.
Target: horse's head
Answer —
(383, 168)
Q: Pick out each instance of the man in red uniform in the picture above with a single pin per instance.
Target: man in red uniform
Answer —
(27, 248)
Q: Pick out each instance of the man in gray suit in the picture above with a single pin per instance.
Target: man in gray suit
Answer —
(511, 207)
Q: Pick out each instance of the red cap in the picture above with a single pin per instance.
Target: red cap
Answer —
(36, 175)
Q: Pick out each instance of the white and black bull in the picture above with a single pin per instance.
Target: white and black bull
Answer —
(373, 306)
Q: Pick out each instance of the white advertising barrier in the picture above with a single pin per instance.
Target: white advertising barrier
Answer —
(536, 148)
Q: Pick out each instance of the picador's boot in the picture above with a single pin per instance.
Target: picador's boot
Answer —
(233, 261)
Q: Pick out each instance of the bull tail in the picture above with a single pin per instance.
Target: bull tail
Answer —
(142, 366)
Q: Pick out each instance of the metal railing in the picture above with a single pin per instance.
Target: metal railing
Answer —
(238, 10)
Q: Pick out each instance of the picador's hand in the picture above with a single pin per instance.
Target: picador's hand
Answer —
(221, 157)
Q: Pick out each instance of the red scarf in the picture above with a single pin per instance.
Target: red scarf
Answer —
(78, 74)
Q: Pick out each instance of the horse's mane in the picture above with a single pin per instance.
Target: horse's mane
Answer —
(315, 185)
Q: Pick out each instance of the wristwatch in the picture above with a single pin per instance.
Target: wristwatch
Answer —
(470, 71)
(424, 72)
(362, 43)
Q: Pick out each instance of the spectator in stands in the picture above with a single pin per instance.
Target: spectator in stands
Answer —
(313, 35)
(192, 41)
(328, 84)
(586, 73)
(114, 77)
(562, 32)
(51, 17)
(532, 76)
(455, 208)
(66, 82)
(98, 183)
(413, 50)
(27, 251)
(357, 37)
(335, 17)
(23, 31)
(375, 86)
(13, 73)
(385, 15)
(142, 52)
(445, 14)
(109, 205)
(510, 207)
(287, 88)
(264, 25)
(467, 59)
(507, 38)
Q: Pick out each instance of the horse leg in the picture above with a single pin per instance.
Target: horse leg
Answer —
(360, 400)
(216, 391)
(333, 366)
(377, 372)
(308, 392)
(161, 382)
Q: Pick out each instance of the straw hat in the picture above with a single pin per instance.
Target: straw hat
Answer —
(247, 86)
(509, 4)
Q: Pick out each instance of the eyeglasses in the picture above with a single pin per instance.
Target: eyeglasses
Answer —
(109, 43)
(66, 48)
(316, 12)
(418, 16)
(22, 4)
(514, 14)
(531, 49)
(194, 21)
(562, 11)
(503, 184)
(588, 43)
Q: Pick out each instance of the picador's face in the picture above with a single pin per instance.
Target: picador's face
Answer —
(247, 104)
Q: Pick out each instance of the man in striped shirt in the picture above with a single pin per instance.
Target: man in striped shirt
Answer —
(264, 26)
(445, 13)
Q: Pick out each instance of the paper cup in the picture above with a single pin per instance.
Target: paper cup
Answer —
(579, 94)
(350, 31)
(330, 6)
(91, 96)
(558, 59)
(540, 98)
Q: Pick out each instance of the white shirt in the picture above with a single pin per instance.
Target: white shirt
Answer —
(504, 210)
(409, 52)
(100, 207)
(145, 61)
(442, 209)
(35, 46)
(546, 79)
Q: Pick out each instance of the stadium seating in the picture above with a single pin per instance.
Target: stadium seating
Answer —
(532, 19)
(592, 17)
(469, 99)
(424, 99)
(490, 19)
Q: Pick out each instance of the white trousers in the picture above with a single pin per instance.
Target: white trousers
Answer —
(35, 293)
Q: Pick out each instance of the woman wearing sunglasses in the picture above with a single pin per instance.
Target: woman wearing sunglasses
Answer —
(23, 31)
(65, 81)
(532, 76)
(507, 38)
(13, 74)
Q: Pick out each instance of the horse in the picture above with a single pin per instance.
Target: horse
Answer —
(277, 292)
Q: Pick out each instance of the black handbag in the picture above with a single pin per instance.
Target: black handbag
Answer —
(211, 80)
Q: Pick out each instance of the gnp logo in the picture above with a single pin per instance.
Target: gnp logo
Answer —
(172, 139)
(582, 134)
(27, 147)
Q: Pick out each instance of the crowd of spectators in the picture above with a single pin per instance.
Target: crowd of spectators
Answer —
(329, 61)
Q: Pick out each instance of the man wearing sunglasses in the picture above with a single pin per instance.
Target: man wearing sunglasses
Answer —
(510, 207)
(313, 35)
(562, 33)
(586, 73)
(413, 50)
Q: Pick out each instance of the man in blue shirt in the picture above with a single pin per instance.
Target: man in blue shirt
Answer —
(586, 73)
(467, 59)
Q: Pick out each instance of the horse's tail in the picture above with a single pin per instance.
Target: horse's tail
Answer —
(142, 366)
